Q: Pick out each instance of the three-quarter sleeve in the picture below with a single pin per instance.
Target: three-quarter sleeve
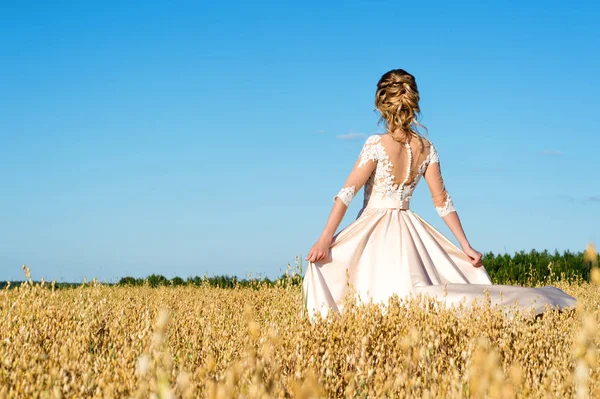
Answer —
(440, 196)
(362, 170)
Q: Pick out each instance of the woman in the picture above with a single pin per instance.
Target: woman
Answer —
(390, 250)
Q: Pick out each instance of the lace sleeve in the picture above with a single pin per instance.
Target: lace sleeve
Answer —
(433, 175)
(363, 168)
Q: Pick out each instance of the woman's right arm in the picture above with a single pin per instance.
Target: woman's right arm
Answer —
(445, 207)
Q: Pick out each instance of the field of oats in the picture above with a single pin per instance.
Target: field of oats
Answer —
(251, 342)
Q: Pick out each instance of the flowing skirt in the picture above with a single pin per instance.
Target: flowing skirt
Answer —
(392, 251)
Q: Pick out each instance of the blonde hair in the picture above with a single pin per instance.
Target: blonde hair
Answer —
(397, 100)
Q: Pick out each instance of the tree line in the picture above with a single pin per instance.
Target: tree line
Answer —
(521, 268)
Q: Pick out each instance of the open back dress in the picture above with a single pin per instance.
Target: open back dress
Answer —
(391, 250)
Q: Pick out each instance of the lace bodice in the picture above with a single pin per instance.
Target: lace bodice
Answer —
(375, 170)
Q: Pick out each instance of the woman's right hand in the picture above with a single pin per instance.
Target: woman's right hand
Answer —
(320, 250)
(474, 256)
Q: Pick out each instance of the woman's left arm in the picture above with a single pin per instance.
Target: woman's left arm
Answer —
(363, 168)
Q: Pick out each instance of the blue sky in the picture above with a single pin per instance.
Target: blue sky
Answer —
(186, 138)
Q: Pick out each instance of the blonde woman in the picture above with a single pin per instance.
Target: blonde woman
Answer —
(389, 249)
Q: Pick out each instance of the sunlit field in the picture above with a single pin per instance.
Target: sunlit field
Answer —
(251, 341)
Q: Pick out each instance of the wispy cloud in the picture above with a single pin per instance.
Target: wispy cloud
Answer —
(578, 200)
(552, 152)
(320, 131)
(351, 136)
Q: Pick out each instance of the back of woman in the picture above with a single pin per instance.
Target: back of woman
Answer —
(390, 250)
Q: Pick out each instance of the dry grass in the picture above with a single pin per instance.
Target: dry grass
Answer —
(99, 341)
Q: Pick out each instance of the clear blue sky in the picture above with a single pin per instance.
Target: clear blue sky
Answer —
(186, 138)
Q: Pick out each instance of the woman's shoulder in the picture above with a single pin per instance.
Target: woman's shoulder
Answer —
(429, 148)
(372, 149)
(374, 138)
(426, 142)
(373, 141)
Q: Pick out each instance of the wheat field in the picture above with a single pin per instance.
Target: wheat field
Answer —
(140, 342)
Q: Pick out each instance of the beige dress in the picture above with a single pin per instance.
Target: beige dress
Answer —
(391, 250)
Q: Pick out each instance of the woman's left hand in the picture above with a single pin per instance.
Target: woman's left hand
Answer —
(319, 251)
